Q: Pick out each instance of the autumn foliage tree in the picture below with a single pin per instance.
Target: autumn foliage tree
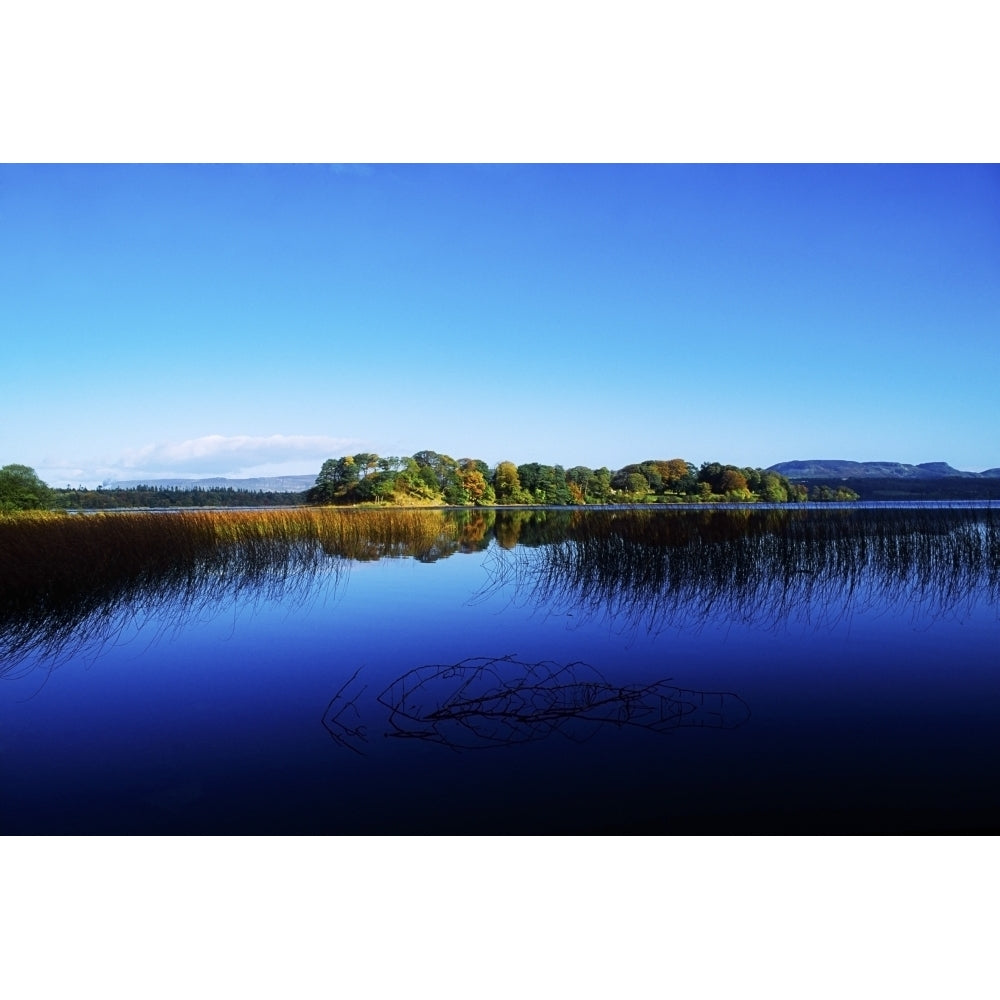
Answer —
(430, 477)
(507, 484)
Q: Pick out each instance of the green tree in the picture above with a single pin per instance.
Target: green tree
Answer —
(825, 493)
(529, 475)
(545, 484)
(376, 486)
(507, 484)
(427, 477)
(414, 482)
(754, 479)
(335, 479)
(637, 485)
(620, 478)
(774, 488)
(797, 492)
(21, 489)
(578, 482)
(711, 474)
(366, 463)
(441, 467)
(599, 490)
(653, 475)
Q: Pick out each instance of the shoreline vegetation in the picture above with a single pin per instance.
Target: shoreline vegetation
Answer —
(430, 479)
(72, 582)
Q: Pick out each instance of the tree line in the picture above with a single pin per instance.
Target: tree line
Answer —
(108, 498)
(429, 477)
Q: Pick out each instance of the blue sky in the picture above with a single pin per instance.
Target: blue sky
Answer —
(249, 320)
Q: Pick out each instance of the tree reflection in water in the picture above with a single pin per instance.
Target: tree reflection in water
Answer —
(659, 569)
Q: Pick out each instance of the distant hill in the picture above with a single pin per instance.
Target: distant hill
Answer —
(822, 468)
(894, 480)
(271, 484)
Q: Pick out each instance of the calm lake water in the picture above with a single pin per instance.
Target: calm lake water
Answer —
(738, 671)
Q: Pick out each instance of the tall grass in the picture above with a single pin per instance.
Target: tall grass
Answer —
(65, 580)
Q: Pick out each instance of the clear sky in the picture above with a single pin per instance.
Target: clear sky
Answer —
(253, 320)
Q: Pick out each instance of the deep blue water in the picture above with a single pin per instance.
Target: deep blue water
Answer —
(463, 696)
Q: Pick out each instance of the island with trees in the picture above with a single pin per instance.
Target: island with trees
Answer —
(431, 478)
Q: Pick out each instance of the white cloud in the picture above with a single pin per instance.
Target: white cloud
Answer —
(240, 456)
(243, 454)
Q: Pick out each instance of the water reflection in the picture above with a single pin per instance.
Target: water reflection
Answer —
(888, 724)
(71, 583)
(653, 570)
(500, 701)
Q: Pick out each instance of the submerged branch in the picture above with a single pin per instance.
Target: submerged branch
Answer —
(501, 701)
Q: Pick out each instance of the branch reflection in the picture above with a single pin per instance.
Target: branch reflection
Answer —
(500, 701)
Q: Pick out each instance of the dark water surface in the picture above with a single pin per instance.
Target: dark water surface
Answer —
(527, 672)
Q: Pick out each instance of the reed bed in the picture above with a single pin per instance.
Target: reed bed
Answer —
(70, 580)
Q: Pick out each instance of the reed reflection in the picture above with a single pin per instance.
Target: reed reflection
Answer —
(71, 583)
(74, 582)
(660, 569)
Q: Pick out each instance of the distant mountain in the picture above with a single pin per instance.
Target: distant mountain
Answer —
(269, 484)
(822, 468)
